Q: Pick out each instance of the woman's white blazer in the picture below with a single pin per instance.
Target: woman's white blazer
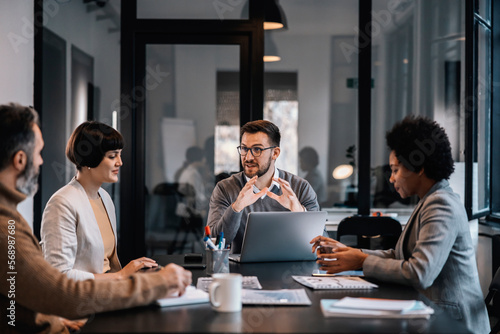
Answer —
(71, 239)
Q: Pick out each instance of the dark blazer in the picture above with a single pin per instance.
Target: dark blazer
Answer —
(435, 255)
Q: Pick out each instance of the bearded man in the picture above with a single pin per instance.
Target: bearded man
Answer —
(259, 187)
(35, 296)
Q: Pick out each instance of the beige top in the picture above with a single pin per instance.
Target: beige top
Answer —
(108, 238)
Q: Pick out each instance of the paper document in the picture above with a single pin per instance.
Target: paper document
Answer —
(337, 282)
(394, 305)
(275, 297)
(322, 273)
(375, 308)
(247, 282)
(191, 296)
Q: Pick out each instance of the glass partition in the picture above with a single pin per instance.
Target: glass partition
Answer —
(481, 161)
(418, 68)
(309, 93)
(192, 116)
(80, 81)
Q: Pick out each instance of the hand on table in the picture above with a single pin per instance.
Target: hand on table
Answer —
(131, 268)
(73, 325)
(177, 279)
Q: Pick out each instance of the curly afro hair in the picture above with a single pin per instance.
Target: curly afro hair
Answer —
(421, 143)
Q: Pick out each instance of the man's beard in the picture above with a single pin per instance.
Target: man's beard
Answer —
(27, 182)
(261, 171)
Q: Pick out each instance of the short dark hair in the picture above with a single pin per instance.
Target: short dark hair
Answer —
(194, 153)
(269, 128)
(310, 155)
(89, 143)
(16, 131)
(420, 142)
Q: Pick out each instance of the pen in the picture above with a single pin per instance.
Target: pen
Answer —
(207, 231)
(217, 241)
(209, 243)
(221, 237)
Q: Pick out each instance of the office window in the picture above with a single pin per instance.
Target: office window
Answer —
(280, 107)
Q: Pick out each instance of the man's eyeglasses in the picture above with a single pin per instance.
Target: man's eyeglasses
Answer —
(256, 151)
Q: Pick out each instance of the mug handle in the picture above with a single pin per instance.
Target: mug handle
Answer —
(211, 292)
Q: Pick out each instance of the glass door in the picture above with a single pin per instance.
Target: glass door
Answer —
(191, 123)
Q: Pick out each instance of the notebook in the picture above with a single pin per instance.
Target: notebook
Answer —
(348, 307)
(275, 297)
(191, 296)
(340, 282)
(280, 236)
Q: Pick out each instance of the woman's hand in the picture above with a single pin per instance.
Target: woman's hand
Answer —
(325, 242)
(131, 268)
(135, 265)
(341, 259)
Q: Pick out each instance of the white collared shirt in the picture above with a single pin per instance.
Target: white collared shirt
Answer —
(273, 183)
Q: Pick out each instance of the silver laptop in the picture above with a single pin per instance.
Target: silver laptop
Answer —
(280, 236)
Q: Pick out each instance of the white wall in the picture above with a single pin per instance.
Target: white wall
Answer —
(16, 65)
(98, 42)
(312, 65)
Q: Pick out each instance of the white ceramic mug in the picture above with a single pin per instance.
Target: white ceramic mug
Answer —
(225, 292)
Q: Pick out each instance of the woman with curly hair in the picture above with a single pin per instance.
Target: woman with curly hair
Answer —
(434, 254)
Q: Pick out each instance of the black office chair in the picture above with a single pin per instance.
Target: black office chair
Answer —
(372, 232)
(495, 309)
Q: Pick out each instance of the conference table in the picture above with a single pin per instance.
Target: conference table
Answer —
(200, 318)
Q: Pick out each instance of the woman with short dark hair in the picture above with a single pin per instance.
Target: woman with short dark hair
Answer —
(79, 223)
(434, 254)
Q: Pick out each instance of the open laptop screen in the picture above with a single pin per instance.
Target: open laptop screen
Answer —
(280, 236)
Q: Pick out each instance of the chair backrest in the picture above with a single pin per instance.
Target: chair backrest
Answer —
(372, 232)
(494, 287)
(494, 310)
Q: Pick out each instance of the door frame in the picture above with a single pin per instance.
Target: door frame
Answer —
(136, 35)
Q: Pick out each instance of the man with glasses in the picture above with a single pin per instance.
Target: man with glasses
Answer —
(260, 187)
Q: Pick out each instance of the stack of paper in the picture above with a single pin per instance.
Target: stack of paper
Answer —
(191, 296)
(247, 282)
(275, 297)
(373, 307)
(340, 282)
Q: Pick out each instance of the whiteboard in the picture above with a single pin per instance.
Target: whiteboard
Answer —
(177, 135)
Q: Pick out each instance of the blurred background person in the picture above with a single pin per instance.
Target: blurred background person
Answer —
(309, 161)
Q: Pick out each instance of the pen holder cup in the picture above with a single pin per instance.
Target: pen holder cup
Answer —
(217, 261)
(223, 243)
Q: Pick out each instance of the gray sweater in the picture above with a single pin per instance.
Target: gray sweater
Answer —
(222, 217)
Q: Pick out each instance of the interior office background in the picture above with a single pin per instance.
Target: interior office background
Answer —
(196, 83)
